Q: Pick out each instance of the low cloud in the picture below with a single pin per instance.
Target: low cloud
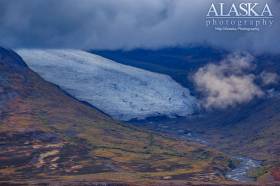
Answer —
(227, 83)
(269, 78)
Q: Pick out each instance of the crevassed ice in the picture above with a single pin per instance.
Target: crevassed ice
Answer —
(121, 91)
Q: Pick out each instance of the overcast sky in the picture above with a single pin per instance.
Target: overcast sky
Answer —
(123, 24)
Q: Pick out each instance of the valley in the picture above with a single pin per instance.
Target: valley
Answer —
(241, 166)
(248, 129)
(139, 93)
(247, 166)
(48, 137)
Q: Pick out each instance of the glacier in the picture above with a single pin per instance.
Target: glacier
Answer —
(121, 91)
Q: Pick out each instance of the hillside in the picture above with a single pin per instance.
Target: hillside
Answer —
(48, 136)
(251, 129)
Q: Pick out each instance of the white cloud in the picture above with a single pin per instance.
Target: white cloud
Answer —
(269, 78)
(227, 83)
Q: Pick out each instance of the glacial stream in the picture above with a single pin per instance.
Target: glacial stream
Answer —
(239, 173)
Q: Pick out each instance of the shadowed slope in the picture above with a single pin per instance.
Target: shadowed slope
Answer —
(47, 136)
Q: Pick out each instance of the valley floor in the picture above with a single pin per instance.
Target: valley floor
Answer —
(243, 166)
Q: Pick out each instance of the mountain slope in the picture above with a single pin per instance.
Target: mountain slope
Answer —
(250, 129)
(47, 136)
(121, 91)
(176, 62)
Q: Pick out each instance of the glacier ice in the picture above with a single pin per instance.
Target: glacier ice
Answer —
(121, 91)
